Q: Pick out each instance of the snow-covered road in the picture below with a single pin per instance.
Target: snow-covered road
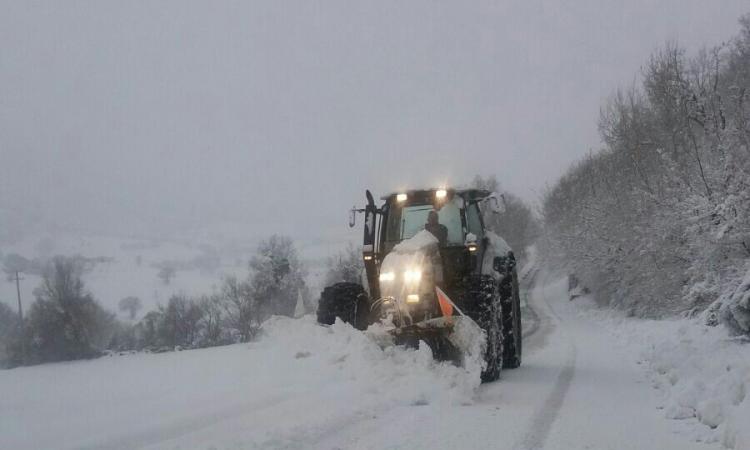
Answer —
(307, 386)
(577, 389)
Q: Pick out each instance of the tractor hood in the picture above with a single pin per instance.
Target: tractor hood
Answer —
(409, 273)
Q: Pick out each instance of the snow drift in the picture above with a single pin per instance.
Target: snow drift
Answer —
(295, 385)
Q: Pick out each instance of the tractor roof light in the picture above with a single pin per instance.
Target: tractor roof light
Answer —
(400, 198)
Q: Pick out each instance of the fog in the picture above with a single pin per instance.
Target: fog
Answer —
(141, 118)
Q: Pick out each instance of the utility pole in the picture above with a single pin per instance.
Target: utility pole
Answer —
(20, 318)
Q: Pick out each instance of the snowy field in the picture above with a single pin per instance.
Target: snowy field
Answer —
(590, 379)
(129, 266)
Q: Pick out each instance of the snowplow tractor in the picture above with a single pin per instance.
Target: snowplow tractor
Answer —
(433, 273)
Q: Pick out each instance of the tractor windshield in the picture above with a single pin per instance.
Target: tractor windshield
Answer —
(405, 222)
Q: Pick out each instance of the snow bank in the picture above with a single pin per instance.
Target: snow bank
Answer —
(705, 375)
(702, 372)
(297, 384)
(392, 374)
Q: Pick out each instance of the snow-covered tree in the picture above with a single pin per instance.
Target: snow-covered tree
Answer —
(242, 311)
(166, 273)
(65, 322)
(213, 324)
(277, 276)
(13, 263)
(131, 305)
(658, 221)
(180, 322)
(9, 333)
(347, 265)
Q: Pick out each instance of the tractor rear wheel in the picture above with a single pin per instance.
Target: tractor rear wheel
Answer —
(347, 301)
(483, 306)
(512, 333)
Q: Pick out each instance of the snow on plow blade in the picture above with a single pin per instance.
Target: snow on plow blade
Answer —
(455, 338)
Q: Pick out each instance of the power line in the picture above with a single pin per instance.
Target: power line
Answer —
(20, 318)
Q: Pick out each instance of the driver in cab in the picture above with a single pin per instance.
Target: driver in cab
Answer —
(436, 228)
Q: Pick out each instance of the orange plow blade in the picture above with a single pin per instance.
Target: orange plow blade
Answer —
(446, 305)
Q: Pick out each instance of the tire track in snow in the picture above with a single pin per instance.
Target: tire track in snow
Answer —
(544, 417)
(527, 310)
(181, 427)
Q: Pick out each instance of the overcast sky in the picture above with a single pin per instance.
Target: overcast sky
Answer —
(142, 116)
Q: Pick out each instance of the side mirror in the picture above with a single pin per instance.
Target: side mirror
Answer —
(497, 205)
(352, 217)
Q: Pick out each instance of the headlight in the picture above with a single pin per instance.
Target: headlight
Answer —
(412, 275)
(387, 276)
(412, 298)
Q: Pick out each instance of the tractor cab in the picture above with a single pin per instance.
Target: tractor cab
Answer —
(404, 214)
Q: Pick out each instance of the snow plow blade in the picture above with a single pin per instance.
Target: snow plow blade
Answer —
(457, 339)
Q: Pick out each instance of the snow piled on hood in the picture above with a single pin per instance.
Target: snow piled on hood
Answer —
(420, 241)
(415, 252)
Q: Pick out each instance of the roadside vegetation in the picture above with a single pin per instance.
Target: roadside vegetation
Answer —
(657, 222)
(65, 322)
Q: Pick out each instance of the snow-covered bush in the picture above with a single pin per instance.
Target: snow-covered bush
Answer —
(233, 313)
(733, 307)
